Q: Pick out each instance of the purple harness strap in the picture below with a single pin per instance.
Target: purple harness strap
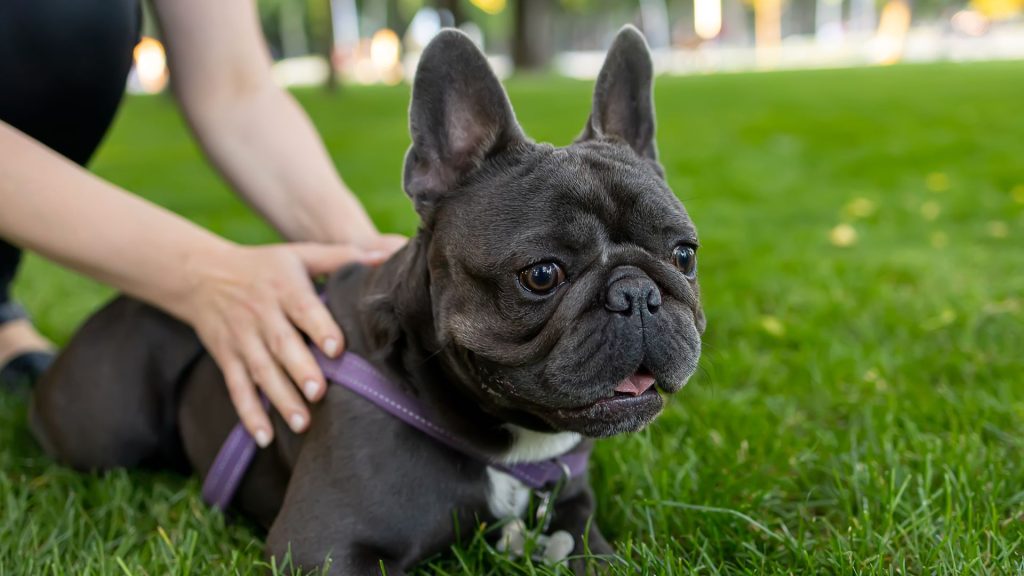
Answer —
(359, 376)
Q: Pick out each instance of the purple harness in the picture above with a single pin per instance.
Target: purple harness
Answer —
(361, 377)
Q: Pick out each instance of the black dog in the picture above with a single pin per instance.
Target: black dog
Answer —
(546, 291)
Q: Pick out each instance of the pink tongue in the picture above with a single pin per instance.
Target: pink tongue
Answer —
(636, 384)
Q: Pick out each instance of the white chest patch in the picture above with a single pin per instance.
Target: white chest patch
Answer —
(530, 446)
(508, 497)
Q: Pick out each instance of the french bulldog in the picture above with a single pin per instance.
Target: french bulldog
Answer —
(549, 298)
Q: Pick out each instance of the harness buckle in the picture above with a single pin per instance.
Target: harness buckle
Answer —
(545, 507)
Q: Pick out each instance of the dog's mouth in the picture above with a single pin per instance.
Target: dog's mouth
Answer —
(621, 406)
(634, 402)
(635, 385)
(633, 390)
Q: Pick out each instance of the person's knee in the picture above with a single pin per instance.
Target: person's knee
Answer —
(69, 112)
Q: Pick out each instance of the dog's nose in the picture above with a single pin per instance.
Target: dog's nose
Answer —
(631, 293)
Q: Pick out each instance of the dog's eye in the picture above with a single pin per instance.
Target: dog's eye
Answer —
(542, 278)
(685, 258)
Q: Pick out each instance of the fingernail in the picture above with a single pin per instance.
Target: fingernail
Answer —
(262, 438)
(331, 347)
(311, 387)
(297, 422)
(374, 255)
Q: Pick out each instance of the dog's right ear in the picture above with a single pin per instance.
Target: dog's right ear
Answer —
(623, 102)
(459, 116)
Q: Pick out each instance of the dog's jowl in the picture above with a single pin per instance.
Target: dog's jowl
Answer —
(549, 298)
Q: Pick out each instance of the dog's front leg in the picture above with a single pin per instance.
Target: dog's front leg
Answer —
(349, 560)
(369, 491)
(359, 560)
(574, 514)
(323, 546)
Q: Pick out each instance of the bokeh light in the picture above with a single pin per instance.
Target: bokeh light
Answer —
(489, 6)
(150, 65)
(707, 18)
(385, 56)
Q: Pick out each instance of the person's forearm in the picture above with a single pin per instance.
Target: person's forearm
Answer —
(264, 144)
(51, 206)
(247, 305)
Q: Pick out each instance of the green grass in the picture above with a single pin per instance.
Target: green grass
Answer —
(860, 409)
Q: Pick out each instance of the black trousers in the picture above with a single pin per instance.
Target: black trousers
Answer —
(63, 66)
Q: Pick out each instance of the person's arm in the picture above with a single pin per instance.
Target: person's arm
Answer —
(254, 132)
(244, 302)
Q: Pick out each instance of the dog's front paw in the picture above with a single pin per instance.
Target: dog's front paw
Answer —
(551, 549)
(558, 547)
(598, 560)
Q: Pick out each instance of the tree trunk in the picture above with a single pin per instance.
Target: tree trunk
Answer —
(325, 45)
(293, 29)
(532, 36)
(395, 18)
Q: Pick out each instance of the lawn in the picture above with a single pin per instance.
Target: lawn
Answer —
(860, 407)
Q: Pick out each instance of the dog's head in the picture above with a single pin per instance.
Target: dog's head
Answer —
(563, 281)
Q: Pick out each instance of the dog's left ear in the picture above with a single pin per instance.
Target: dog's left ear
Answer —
(623, 96)
(459, 116)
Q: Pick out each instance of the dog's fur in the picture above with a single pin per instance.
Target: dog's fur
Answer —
(524, 376)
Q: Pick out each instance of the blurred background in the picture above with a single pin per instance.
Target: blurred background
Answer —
(335, 42)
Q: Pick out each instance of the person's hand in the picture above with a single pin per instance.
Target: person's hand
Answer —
(386, 243)
(248, 306)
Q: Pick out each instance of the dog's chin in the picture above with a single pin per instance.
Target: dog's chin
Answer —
(608, 416)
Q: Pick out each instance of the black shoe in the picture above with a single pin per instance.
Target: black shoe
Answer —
(26, 368)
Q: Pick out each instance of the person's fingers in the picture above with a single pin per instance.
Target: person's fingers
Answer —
(291, 352)
(387, 243)
(265, 372)
(309, 314)
(373, 257)
(247, 403)
(325, 258)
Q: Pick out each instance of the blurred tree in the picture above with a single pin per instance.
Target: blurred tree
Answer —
(394, 17)
(531, 34)
(294, 41)
(322, 33)
(268, 21)
(408, 8)
(284, 25)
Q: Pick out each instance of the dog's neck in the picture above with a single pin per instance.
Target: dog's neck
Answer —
(387, 317)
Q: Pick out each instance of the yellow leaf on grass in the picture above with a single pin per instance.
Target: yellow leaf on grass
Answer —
(937, 182)
(860, 208)
(946, 317)
(773, 326)
(875, 378)
(930, 210)
(1018, 193)
(843, 235)
(1006, 306)
(998, 229)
